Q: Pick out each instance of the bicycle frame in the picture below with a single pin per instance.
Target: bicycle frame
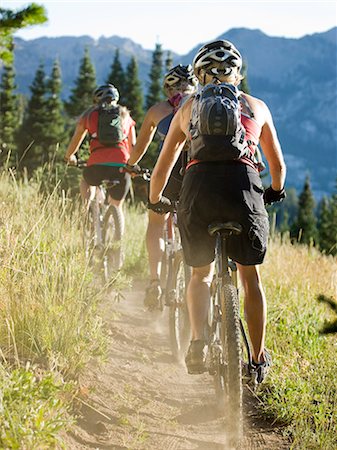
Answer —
(226, 272)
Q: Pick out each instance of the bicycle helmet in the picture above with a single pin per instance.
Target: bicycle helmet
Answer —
(105, 91)
(217, 58)
(178, 74)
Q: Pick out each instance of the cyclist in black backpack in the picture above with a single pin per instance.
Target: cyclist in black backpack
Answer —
(222, 186)
(112, 134)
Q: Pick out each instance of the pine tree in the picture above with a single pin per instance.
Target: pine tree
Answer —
(333, 224)
(305, 225)
(85, 84)
(35, 125)
(117, 78)
(168, 61)
(56, 128)
(324, 231)
(328, 224)
(154, 94)
(11, 21)
(9, 115)
(134, 95)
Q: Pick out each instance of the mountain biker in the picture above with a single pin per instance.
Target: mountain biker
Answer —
(225, 191)
(178, 82)
(104, 161)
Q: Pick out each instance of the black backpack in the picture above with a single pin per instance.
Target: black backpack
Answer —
(217, 133)
(109, 126)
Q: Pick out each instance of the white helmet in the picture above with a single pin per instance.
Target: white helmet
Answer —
(217, 58)
(178, 74)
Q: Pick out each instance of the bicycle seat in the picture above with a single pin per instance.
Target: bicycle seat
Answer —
(224, 228)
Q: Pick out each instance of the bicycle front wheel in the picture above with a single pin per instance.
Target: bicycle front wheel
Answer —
(179, 324)
(112, 240)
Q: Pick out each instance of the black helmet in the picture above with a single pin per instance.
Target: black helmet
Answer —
(217, 57)
(180, 73)
(104, 91)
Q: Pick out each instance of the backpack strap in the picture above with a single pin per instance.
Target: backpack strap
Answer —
(244, 101)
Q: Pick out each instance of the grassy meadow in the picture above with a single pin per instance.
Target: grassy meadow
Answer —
(50, 325)
(301, 391)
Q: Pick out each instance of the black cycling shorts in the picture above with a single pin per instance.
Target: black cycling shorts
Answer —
(95, 174)
(213, 192)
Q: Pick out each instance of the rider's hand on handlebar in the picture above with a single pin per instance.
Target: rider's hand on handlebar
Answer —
(71, 160)
(162, 207)
(132, 169)
(270, 196)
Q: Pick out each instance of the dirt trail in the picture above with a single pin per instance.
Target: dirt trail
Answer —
(141, 399)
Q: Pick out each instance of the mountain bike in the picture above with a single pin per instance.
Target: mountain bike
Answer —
(229, 353)
(174, 278)
(176, 274)
(102, 230)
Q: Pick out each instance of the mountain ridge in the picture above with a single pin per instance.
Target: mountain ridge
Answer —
(289, 74)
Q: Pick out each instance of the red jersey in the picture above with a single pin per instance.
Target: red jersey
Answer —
(100, 154)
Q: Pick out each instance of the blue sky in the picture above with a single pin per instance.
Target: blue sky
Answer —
(178, 25)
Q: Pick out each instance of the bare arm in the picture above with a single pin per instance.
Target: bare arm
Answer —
(76, 140)
(173, 144)
(272, 150)
(144, 139)
(132, 138)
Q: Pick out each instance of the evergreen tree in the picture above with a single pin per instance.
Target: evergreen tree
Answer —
(117, 78)
(32, 135)
(168, 61)
(305, 226)
(324, 226)
(154, 94)
(11, 21)
(85, 84)
(9, 115)
(55, 116)
(134, 95)
(333, 224)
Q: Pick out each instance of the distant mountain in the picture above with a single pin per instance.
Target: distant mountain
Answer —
(297, 78)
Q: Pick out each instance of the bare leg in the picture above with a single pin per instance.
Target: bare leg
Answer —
(119, 205)
(198, 293)
(87, 191)
(155, 242)
(255, 309)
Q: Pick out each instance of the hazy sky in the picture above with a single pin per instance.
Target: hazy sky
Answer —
(178, 25)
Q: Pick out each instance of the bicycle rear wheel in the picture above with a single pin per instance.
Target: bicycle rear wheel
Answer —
(179, 324)
(228, 377)
(112, 240)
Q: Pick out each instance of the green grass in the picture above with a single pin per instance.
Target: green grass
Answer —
(48, 309)
(50, 326)
(33, 411)
(301, 391)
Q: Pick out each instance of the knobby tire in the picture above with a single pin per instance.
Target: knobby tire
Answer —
(179, 325)
(231, 343)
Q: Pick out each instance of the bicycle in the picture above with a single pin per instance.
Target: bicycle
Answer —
(229, 353)
(174, 278)
(178, 274)
(102, 230)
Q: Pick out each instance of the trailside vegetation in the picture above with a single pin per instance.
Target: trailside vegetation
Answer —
(11, 21)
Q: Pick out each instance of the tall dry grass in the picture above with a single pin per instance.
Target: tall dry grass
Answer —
(302, 388)
(49, 327)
